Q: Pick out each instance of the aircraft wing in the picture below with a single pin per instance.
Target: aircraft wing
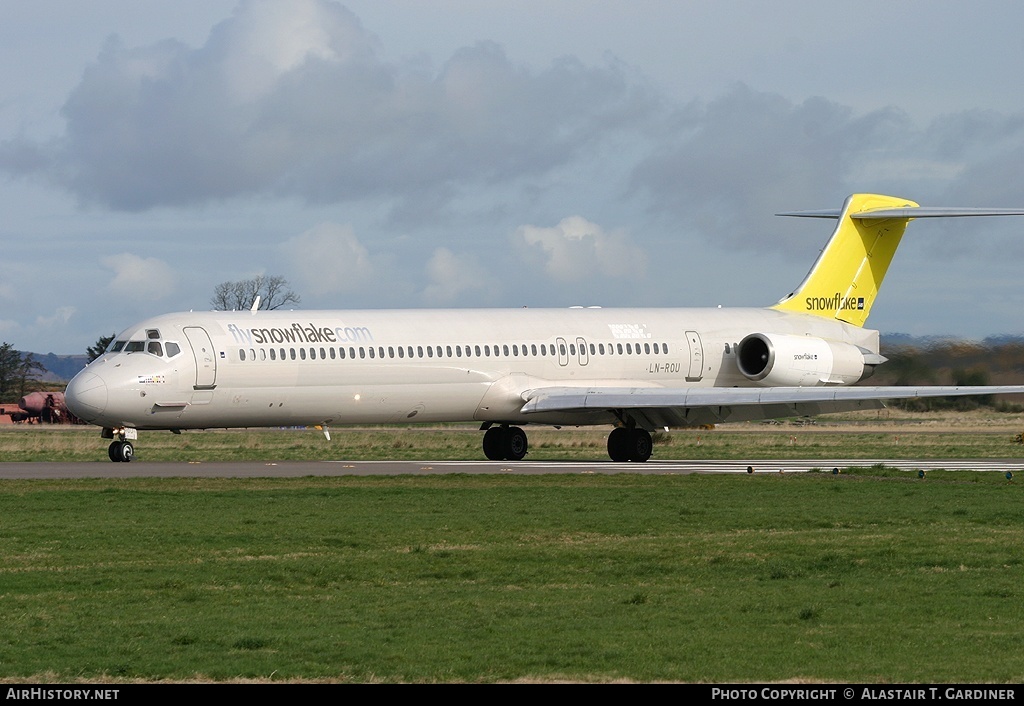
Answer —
(655, 407)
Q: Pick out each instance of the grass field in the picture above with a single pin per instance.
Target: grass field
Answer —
(869, 576)
(864, 577)
(919, 436)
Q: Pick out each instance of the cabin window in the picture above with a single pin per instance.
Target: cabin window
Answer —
(291, 353)
(332, 354)
(352, 352)
(372, 354)
(241, 354)
(341, 353)
(647, 348)
(430, 351)
(312, 353)
(504, 350)
(302, 353)
(401, 352)
(477, 351)
(391, 351)
(273, 354)
(600, 347)
(419, 351)
(362, 352)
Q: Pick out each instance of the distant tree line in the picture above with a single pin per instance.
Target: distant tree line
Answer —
(954, 363)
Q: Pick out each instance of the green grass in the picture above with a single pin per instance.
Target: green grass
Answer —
(869, 576)
(463, 442)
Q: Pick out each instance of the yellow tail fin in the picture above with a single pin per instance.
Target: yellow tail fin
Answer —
(844, 280)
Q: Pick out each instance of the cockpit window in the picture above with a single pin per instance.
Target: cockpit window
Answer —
(152, 344)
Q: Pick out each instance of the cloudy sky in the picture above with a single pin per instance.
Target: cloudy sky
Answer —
(474, 153)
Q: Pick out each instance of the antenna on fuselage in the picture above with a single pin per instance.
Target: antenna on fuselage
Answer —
(255, 304)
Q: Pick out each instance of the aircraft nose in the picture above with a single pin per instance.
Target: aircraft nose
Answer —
(86, 396)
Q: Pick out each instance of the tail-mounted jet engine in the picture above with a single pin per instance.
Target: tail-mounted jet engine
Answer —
(779, 360)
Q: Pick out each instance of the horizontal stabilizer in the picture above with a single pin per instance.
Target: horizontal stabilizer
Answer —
(914, 212)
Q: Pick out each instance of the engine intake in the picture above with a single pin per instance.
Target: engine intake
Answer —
(780, 360)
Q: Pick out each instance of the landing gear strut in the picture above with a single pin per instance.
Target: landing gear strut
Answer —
(626, 444)
(505, 443)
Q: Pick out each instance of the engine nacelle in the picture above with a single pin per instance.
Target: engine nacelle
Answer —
(780, 360)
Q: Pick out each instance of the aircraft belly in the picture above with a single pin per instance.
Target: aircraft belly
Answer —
(335, 404)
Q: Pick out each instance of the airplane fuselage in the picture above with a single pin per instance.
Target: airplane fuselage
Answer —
(241, 369)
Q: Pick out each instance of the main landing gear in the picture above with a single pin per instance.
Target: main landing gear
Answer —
(625, 444)
(505, 443)
(121, 449)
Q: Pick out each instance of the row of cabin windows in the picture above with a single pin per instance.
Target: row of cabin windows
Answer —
(505, 350)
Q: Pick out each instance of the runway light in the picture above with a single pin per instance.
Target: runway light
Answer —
(920, 474)
(750, 469)
(1009, 475)
(835, 471)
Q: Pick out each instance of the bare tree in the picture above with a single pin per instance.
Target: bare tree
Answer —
(273, 291)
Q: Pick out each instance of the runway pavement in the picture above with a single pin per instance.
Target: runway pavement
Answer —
(295, 469)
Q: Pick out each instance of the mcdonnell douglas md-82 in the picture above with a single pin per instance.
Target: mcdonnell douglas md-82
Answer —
(637, 369)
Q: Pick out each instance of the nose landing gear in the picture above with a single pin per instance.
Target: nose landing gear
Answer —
(121, 449)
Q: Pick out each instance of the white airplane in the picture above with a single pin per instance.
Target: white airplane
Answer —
(638, 369)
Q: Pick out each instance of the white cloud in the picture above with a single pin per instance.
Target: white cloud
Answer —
(59, 317)
(292, 99)
(451, 275)
(577, 249)
(328, 258)
(139, 278)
